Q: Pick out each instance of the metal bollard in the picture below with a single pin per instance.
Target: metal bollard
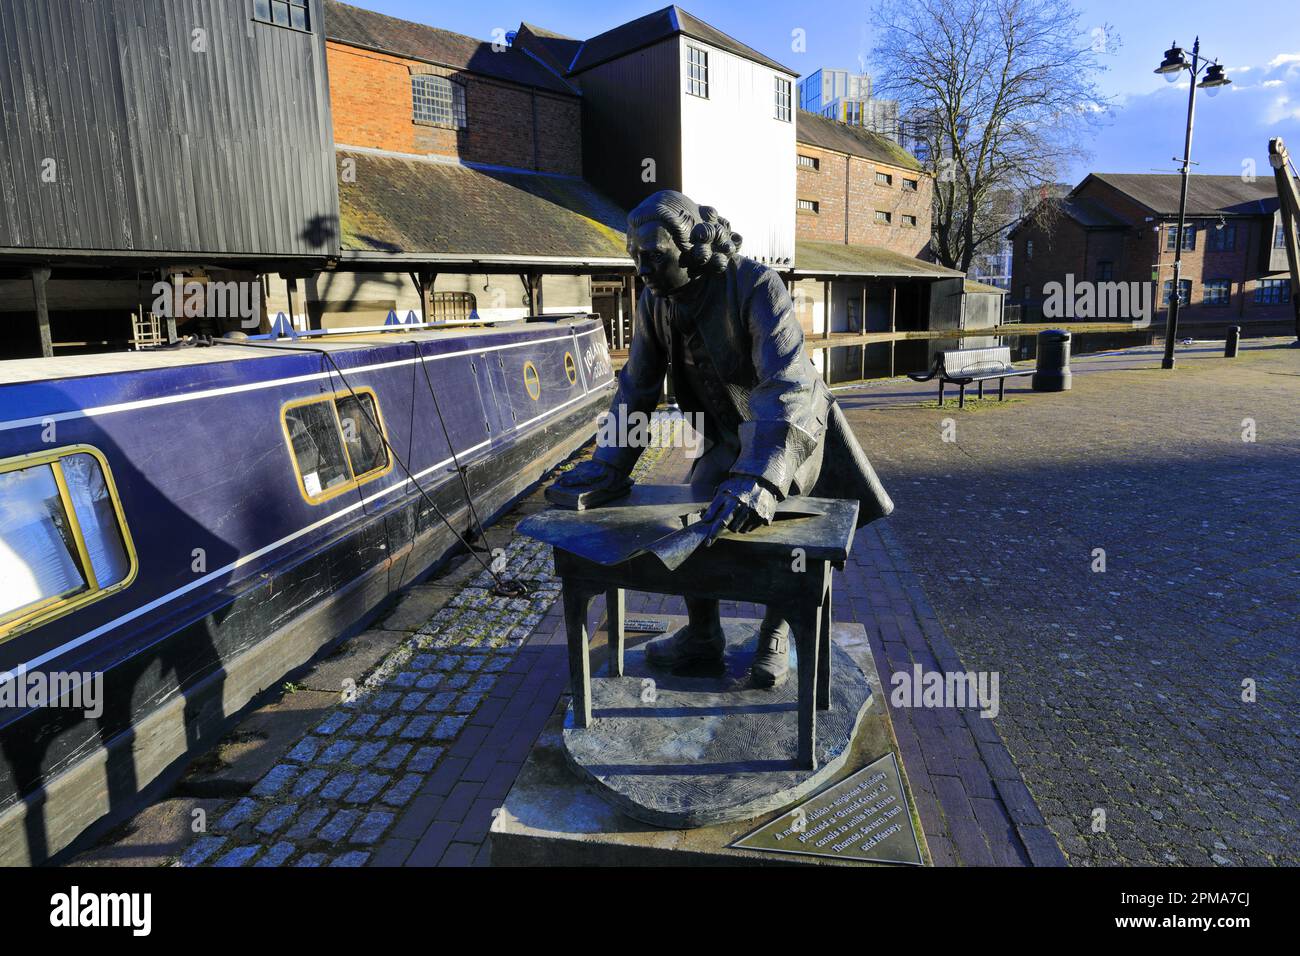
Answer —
(1231, 343)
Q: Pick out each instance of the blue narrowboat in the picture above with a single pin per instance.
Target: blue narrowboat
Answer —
(188, 525)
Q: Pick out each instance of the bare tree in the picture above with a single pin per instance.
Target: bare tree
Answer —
(998, 96)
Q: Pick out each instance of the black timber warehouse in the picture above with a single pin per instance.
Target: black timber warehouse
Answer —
(144, 137)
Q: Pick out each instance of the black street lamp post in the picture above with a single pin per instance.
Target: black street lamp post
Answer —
(1171, 68)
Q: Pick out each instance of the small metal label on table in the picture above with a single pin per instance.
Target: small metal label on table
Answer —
(863, 817)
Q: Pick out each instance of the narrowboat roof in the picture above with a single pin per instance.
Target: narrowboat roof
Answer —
(15, 371)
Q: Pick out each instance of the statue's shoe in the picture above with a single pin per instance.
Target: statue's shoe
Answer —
(686, 649)
(772, 658)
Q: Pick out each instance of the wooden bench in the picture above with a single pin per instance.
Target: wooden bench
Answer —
(962, 367)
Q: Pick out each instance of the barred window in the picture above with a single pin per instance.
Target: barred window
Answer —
(807, 205)
(697, 71)
(884, 179)
(453, 307)
(909, 220)
(783, 99)
(885, 217)
(809, 162)
(283, 13)
(911, 185)
(438, 100)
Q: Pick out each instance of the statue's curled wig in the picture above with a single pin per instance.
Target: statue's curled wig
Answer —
(704, 238)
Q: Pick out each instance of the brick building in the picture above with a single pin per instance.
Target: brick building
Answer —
(460, 181)
(1121, 227)
(859, 188)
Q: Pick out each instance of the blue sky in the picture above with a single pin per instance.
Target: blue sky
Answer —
(1258, 41)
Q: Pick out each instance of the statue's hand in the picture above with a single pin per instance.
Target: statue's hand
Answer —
(590, 475)
(741, 505)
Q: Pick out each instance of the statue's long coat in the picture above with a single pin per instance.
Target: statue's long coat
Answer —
(767, 413)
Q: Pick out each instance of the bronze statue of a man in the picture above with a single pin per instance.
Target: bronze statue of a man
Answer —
(726, 325)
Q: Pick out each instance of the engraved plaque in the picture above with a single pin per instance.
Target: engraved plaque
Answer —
(863, 817)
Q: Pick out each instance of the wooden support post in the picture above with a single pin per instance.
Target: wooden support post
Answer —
(177, 280)
(862, 369)
(294, 288)
(893, 323)
(41, 276)
(826, 329)
(531, 290)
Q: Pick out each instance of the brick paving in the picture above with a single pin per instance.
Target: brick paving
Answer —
(1121, 690)
(411, 770)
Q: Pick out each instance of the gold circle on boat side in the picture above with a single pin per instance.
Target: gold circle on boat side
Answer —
(532, 381)
(570, 368)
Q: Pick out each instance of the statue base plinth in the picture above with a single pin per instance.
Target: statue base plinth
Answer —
(706, 773)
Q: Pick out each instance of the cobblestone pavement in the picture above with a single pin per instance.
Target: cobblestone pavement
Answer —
(1125, 693)
(396, 771)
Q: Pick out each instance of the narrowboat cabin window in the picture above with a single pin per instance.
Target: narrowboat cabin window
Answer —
(337, 443)
(697, 71)
(63, 538)
(438, 101)
(283, 13)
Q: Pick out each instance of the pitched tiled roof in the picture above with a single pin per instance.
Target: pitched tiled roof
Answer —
(555, 49)
(399, 205)
(1090, 214)
(653, 27)
(833, 258)
(831, 134)
(374, 31)
(1206, 195)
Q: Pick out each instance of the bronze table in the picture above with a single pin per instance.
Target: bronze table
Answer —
(786, 565)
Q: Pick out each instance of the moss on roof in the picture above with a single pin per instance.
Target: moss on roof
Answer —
(398, 205)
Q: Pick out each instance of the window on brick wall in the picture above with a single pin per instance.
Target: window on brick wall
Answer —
(783, 99)
(697, 71)
(884, 179)
(1189, 237)
(1184, 292)
(438, 100)
(1273, 291)
(807, 205)
(1029, 248)
(809, 162)
(283, 13)
(1105, 270)
(1217, 292)
(911, 185)
(909, 220)
(1222, 238)
(884, 217)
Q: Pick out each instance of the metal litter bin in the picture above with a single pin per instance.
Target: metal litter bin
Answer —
(1233, 341)
(1053, 371)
